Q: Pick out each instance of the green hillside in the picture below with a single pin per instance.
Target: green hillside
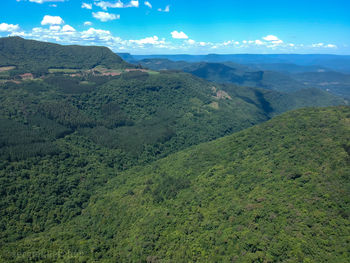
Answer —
(80, 118)
(268, 76)
(276, 192)
(230, 73)
(335, 82)
(36, 56)
(64, 135)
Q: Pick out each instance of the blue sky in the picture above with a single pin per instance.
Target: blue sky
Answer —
(185, 26)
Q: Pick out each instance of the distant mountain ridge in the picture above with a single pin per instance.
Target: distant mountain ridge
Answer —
(230, 73)
(312, 61)
(283, 77)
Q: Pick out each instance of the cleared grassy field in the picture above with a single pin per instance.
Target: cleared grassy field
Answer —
(2, 69)
(151, 72)
(62, 70)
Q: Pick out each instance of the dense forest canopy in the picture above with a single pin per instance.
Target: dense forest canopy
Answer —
(101, 160)
(276, 192)
(35, 56)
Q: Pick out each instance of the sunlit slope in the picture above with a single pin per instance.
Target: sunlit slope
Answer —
(276, 192)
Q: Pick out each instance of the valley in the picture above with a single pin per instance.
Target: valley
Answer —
(169, 161)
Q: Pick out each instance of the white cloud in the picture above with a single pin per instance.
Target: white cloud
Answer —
(179, 35)
(277, 42)
(271, 38)
(166, 9)
(148, 4)
(96, 33)
(104, 16)
(37, 29)
(317, 45)
(66, 34)
(148, 40)
(86, 6)
(22, 34)
(68, 28)
(273, 41)
(191, 42)
(104, 5)
(52, 20)
(4, 27)
(133, 3)
(42, 1)
(227, 43)
(322, 45)
(117, 4)
(55, 28)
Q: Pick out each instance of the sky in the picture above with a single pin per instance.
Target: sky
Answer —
(185, 26)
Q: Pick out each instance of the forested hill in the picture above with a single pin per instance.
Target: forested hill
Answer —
(276, 192)
(34, 55)
(68, 130)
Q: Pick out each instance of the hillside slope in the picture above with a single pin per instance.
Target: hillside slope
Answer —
(63, 136)
(65, 133)
(335, 82)
(333, 62)
(276, 192)
(230, 73)
(31, 55)
(267, 76)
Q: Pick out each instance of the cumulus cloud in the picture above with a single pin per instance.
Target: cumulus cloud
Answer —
(117, 4)
(86, 6)
(271, 38)
(4, 27)
(317, 45)
(68, 28)
(104, 5)
(166, 9)
(322, 45)
(277, 42)
(41, 1)
(52, 20)
(148, 4)
(55, 28)
(272, 41)
(179, 35)
(134, 3)
(59, 32)
(191, 41)
(148, 40)
(104, 16)
(96, 34)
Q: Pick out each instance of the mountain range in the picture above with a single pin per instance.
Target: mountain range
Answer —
(103, 160)
(279, 77)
